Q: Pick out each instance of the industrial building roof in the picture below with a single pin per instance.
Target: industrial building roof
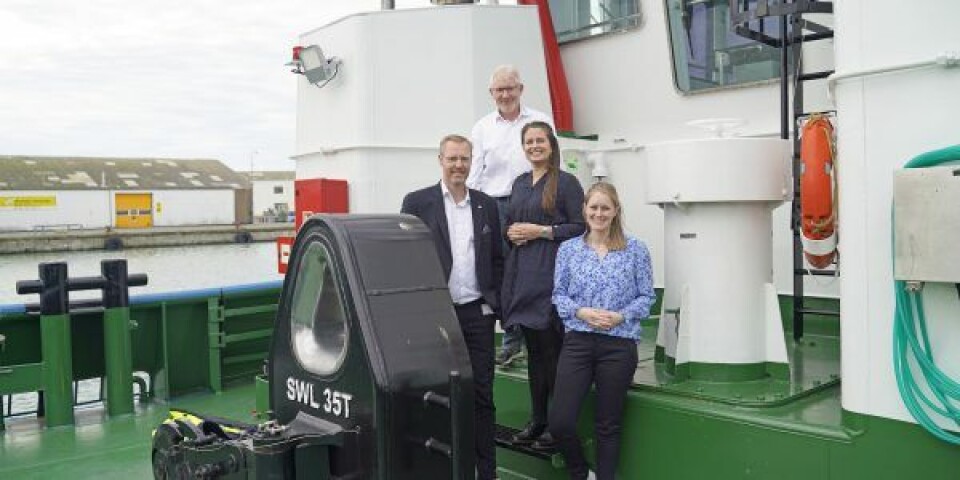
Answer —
(271, 175)
(87, 173)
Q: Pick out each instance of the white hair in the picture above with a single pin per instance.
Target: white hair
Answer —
(505, 71)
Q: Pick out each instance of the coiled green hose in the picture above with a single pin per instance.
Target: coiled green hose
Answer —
(909, 319)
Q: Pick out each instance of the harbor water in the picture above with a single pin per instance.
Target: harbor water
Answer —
(169, 269)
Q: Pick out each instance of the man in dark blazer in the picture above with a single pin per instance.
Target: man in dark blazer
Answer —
(466, 231)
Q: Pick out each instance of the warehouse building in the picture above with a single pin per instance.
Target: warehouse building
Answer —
(42, 193)
(272, 195)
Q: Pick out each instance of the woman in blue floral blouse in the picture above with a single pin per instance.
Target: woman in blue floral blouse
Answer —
(603, 287)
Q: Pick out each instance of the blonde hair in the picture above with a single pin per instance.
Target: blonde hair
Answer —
(454, 138)
(617, 239)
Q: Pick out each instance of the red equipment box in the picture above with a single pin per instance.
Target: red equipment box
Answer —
(319, 195)
(312, 195)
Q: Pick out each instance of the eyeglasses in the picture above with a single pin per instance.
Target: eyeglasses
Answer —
(509, 89)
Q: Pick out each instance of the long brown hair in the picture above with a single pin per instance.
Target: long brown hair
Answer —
(617, 239)
(549, 200)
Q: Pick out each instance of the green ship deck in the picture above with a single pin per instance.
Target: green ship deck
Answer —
(102, 447)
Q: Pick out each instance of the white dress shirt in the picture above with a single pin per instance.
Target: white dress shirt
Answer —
(463, 284)
(498, 157)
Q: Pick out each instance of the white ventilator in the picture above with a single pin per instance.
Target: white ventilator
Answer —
(720, 307)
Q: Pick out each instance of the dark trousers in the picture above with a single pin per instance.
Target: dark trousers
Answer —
(543, 349)
(478, 334)
(609, 362)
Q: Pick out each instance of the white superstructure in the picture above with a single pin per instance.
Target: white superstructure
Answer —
(410, 76)
(407, 78)
(885, 120)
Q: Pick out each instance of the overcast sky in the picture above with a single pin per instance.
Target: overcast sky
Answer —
(152, 78)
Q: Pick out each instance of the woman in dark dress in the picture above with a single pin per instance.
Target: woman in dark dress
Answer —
(545, 209)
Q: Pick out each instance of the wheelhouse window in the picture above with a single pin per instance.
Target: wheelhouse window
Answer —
(707, 54)
(318, 321)
(278, 189)
(576, 19)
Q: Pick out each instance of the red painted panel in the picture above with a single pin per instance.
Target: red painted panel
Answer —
(559, 91)
(284, 246)
(319, 195)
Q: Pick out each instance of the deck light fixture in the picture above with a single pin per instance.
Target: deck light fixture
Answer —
(311, 62)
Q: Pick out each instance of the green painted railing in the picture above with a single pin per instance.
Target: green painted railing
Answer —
(183, 342)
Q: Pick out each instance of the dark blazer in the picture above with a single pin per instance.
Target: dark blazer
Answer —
(427, 205)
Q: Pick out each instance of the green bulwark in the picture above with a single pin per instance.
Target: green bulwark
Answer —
(776, 428)
(183, 344)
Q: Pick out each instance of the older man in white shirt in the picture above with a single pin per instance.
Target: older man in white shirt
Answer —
(498, 159)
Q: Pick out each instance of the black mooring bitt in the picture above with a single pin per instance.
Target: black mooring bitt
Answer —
(54, 286)
(117, 283)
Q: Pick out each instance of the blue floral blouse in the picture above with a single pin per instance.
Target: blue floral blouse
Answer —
(621, 281)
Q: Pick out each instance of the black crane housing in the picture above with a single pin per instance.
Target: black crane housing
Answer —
(369, 374)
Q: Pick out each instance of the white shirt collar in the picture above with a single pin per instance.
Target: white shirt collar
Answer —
(524, 113)
(447, 194)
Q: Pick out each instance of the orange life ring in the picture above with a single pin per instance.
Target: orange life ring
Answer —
(818, 209)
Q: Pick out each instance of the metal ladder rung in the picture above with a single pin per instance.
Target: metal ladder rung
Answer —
(814, 311)
(805, 77)
(813, 37)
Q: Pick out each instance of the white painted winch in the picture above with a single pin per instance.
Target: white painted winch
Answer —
(720, 317)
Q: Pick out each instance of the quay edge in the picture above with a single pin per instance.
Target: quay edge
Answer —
(115, 239)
